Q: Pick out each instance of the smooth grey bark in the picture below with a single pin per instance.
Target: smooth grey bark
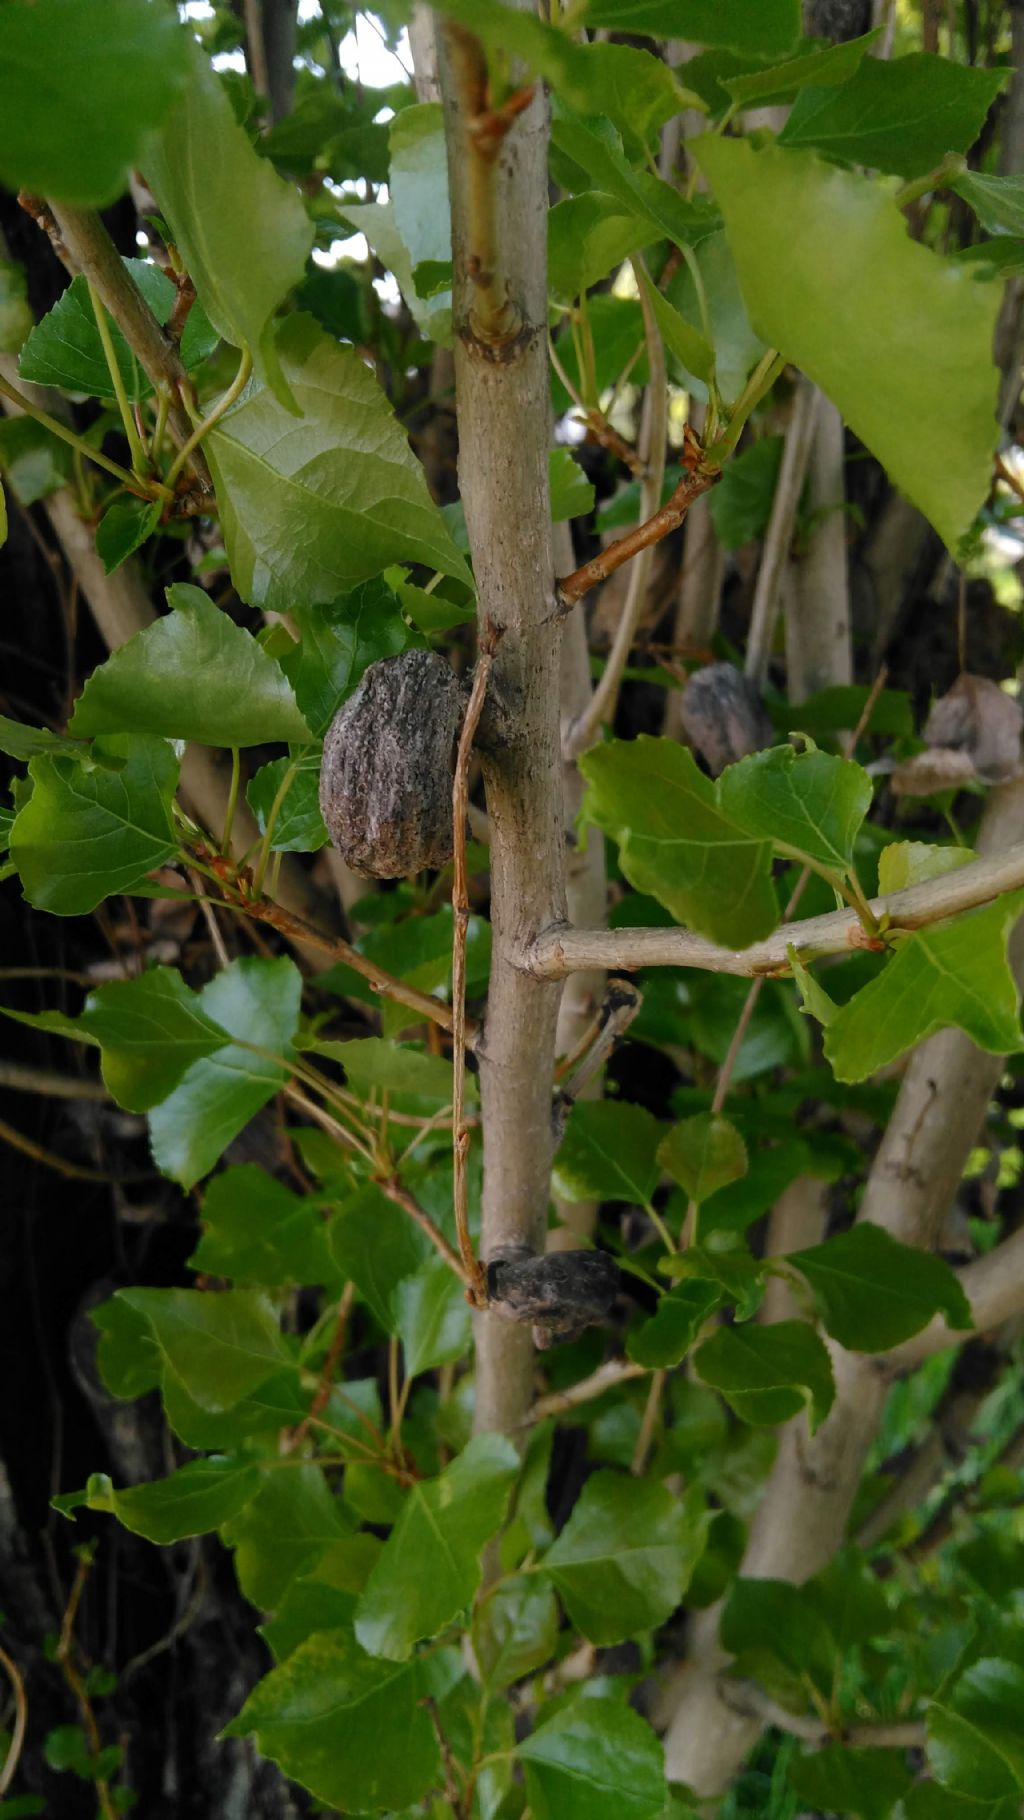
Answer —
(503, 414)
(586, 883)
(817, 592)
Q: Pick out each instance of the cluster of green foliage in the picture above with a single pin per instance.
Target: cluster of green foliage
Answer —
(362, 1541)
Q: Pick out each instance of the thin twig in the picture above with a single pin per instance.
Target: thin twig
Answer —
(648, 1423)
(378, 978)
(65, 1657)
(607, 1377)
(396, 1192)
(779, 535)
(23, 1078)
(745, 1697)
(256, 48)
(694, 482)
(14, 1749)
(653, 430)
(460, 925)
(332, 1359)
(732, 1054)
(84, 245)
(75, 1172)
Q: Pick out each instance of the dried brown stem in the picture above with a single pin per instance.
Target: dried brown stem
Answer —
(393, 1188)
(695, 481)
(14, 1749)
(460, 924)
(296, 929)
(330, 1365)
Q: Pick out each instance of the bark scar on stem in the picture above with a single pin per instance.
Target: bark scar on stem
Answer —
(496, 327)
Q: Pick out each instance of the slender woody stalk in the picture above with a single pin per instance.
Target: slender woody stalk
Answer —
(499, 202)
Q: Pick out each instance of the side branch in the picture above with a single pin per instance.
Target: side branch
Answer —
(82, 242)
(994, 1287)
(560, 951)
(695, 480)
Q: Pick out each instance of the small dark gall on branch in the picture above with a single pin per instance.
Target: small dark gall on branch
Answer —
(560, 1292)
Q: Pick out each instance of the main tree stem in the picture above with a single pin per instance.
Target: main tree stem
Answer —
(503, 414)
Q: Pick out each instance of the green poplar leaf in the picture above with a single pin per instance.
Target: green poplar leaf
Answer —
(690, 348)
(951, 974)
(192, 675)
(418, 184)
(703, 1154)
(735, 1275)
(767, 1374)
(594, 1760)
(150, 1030)
(737, 349)
(257, 1231)
(350, 1728)
(220, 1344)
(741, 504)
(65, 73)
(975, 1744)
(624, 1559)
(874, 1292)
(434, 1323)
(284, 1531)
(515, 1629)
(814, 246)
(376, 1245)
(998, 202)
(241, 230)
(667, 1337)
(822, 68)
(863, 1782)
(777, 1634)
(371, 1062)
(196, 1499)
(675, 842)
(911, 862)
(572, 494)
(430, 1567)
(85, 834)
(311, 508)
(257, 1003)
(608, 1153)
(324, 1599)
(901, 116)
(127, 1356)
(16, 317)
(279, 1402)
(589, 236)
(298, 824)
(595, 146)
(767, 28)
(33, 462)
(338, 642)
(810, 805)
(124, 528)
(23, 742)
(64, 349)
(616, 328)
